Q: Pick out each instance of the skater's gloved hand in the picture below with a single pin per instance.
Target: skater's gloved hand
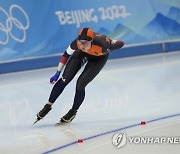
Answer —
(55, 77)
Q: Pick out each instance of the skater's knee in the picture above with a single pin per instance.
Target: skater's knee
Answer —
(80, 85)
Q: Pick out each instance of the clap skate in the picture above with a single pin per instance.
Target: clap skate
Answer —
(43, 112)
(68, 117)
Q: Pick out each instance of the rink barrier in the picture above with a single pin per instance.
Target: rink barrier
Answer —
(53, 60)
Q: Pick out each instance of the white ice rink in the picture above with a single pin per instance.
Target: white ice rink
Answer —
(126, 92)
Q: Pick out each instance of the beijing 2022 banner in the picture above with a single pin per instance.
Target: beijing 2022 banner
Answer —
(35, 28)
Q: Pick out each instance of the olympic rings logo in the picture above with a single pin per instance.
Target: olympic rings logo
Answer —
(11, 21)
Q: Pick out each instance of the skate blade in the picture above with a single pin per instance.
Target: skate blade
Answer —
(61, 123)
(35, 121)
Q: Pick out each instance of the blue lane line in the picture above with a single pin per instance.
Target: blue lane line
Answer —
(109, 132)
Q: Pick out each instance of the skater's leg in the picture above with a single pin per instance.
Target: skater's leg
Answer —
(90, 72)
(70, 71)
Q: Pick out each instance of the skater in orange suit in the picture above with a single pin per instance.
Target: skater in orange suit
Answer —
(90, 49)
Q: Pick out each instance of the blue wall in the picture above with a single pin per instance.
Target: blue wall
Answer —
(51, 61)
(33, 33)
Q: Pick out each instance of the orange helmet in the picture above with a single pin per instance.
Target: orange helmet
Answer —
(86, 34)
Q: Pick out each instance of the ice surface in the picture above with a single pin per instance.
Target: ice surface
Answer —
(125, 92)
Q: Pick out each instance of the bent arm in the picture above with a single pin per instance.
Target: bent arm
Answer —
(64, 58)
(116, 44)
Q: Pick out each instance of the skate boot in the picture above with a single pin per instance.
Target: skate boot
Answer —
(43, 112)
(68, 117)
